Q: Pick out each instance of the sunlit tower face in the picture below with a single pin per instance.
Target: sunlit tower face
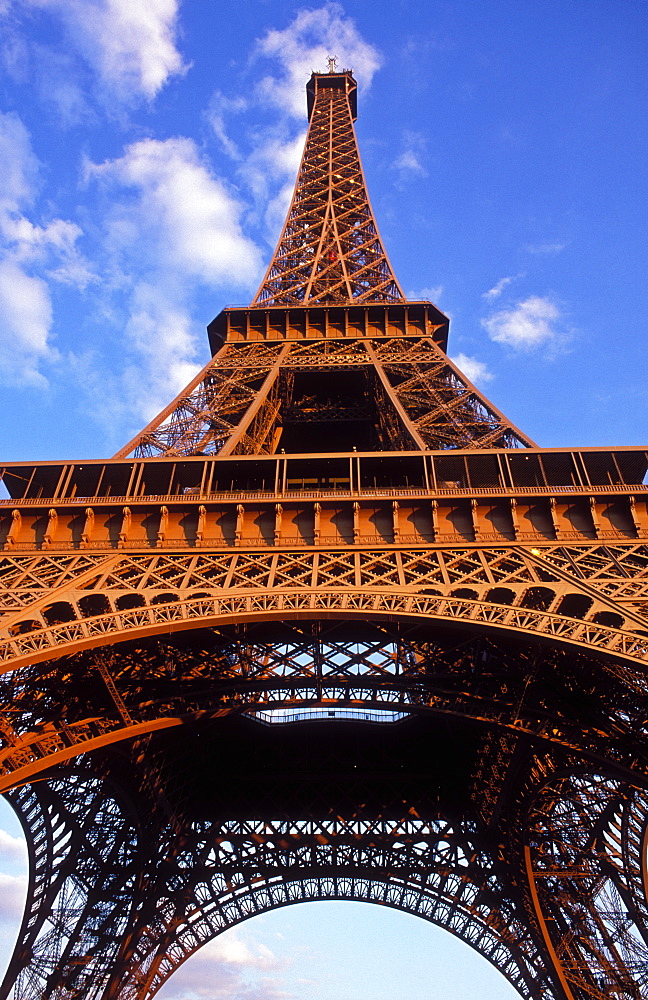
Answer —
(329, 627)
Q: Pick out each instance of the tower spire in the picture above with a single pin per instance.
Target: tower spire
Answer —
(330, 249)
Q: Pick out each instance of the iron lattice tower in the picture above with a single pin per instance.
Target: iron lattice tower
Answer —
(329, 627)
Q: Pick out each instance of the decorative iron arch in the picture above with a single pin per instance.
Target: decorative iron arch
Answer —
(113, 943)
(121, 692)
(63, 638)
(226, 873)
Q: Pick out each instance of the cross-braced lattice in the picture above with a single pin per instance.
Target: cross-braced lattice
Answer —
(336, 629)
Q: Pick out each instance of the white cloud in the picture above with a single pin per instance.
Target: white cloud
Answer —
(270, 168)
(274, 161)
(130, 44)
(13, 890)
(176, 214)
(56, 242)
(475, 371)
(496, 290)
(161, 331)
(172, 227)
(29, 253)
(305, 45)
(528, 325)
(233, 950)
(18, 165)
(12, 848)
(219, 107)
(433, 294)
(409, 163)
(548, 248)
(222, 968)
(26, 313)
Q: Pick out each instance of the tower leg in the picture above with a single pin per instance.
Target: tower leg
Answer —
(586, 865)
(83, 872)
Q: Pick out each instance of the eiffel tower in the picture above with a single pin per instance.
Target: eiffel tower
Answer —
(329, 627)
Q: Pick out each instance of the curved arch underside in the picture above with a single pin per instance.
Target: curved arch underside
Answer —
(552, 694)
(101, 938)
(146, 693)
(229, 871)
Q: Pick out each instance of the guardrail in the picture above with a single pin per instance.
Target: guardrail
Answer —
(283, 715)
(363, 492)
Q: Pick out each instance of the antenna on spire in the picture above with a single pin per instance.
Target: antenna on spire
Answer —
(332, 64)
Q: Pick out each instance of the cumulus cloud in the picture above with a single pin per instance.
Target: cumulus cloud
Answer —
(56, 242)
(268, 170)
(161, 332)
(13, 879)
(26, 313)
(18, 165)
(176, 213)
(13, 891)
(474, 370)
(270, 173)
(12, 848)
(304, 46)
(129, 44)
(233, 950)
(526, 326)
(222, 968)
(171, 227)
(29, 254)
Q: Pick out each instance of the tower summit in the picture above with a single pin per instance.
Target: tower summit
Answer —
(330, 627)
(330, 250)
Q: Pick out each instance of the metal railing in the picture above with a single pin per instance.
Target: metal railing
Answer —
(290, 715)
(240, 496)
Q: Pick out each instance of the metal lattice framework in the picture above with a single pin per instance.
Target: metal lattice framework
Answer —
(410, 390)
(407, 646)
(330, 250)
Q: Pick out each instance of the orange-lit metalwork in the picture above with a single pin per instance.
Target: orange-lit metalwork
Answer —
(330, 251)
(329, 627)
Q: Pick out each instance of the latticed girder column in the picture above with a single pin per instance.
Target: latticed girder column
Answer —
(586, 865)
(330, 249)
(202, 419)
(83, 874)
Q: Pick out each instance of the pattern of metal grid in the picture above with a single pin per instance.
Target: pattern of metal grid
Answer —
(330, 250)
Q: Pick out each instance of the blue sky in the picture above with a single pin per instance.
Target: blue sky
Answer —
(148, 149)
